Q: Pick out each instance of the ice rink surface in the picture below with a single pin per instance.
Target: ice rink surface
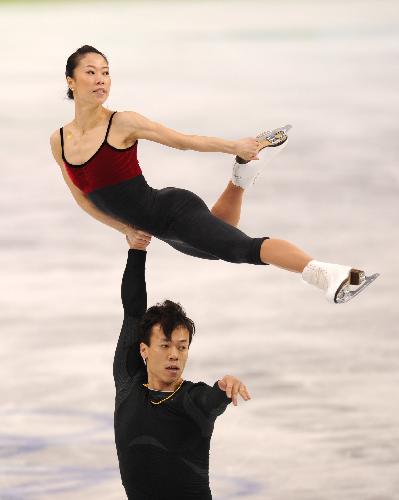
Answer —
(323, 421)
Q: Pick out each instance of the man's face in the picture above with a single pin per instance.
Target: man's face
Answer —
(166, 358)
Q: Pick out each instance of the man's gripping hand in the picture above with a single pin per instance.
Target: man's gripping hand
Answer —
(233, 387)
(138, 240)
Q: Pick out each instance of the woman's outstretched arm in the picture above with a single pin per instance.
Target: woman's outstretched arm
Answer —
(136, 126)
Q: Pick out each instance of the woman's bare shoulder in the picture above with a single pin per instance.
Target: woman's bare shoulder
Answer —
(55, 137)
(130, 118)
(55, 143)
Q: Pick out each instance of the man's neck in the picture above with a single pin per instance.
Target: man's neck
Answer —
(158, 385)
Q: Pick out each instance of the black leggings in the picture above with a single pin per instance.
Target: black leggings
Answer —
(178, 217)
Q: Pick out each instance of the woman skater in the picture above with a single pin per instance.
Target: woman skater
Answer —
(97, 153)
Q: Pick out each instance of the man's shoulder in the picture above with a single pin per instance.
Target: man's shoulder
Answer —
(200, 391)
(203, 403)
(190, 386)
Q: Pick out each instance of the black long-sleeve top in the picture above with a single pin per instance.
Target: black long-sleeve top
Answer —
(163, 450)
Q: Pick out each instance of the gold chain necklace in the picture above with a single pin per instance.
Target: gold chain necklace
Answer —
(167, 397)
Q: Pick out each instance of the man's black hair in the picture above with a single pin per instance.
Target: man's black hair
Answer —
(169, 315)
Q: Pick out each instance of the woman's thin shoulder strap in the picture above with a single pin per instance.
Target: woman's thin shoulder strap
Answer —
(109, 126)
(62, 142)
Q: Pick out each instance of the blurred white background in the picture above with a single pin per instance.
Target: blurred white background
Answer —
(323, 421)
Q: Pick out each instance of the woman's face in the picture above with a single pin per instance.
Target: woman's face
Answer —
(91, 81)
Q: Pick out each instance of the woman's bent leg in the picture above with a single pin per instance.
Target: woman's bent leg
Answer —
(228, 206)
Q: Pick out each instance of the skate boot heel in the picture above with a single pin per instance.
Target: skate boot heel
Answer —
(356, 277)
(241, 161)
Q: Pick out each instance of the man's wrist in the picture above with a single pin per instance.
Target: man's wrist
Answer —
(137, 251)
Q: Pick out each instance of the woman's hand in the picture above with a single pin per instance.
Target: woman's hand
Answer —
(247, 149)
(139, 240)
(233, 387)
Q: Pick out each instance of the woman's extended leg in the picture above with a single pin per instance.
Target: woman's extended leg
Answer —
(206, 234)
(284, 254)
(278, 252)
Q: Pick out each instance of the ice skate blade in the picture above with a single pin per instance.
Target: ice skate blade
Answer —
(273, 138)
(345, 294)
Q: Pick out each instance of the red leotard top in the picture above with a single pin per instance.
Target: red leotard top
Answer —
(108, 165)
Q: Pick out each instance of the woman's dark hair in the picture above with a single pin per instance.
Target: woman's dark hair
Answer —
(169, 315)
(73, 61)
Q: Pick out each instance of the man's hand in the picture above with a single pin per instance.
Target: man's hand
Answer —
(139, 240)
(247, 149)
(232, 386)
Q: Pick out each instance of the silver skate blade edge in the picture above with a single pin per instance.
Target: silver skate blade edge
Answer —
(346, 295)
(286, 128)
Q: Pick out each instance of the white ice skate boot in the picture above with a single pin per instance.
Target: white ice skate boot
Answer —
(272, 142)
(341, 283)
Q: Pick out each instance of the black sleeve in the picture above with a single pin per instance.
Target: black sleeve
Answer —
(133, 289)
(127, 360)
(204, 404)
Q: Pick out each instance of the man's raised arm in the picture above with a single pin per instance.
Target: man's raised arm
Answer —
(127, 361)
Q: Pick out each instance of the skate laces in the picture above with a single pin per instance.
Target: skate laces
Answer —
(316, 275)
(321, 278)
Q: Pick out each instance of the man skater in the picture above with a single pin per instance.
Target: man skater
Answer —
(163, 423)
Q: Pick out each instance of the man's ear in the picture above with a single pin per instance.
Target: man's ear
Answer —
(144, 351)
